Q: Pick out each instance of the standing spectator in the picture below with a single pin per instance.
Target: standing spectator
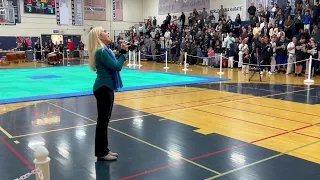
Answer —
(154, 22)
(316, 13)
(316, 34)
(81, 49)
(222, 11)
(237, 25)
(300, 55)
(307, 20)
(246, 61)
(252, 11)
(298, 21)
(183, 19)
(287, 10)
(292, 55)
(242, 47)
(288, 27)
(71, 48)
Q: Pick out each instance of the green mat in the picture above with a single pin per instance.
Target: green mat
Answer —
(19, 85)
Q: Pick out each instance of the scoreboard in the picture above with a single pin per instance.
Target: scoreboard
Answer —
(40, 6)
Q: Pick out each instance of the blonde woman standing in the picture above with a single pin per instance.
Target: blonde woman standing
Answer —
(103, 61)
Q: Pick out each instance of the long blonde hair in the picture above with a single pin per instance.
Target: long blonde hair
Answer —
(94, 44)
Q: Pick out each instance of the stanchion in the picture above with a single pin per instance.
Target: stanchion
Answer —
(134, 58)
(309, 80)
(185, 63)
(220, 73)
(166, 67)
(139, 59)
(129, 64)
(42, 161)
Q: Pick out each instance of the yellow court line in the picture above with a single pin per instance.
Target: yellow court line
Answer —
(74, 127)
(121, 119)
(71, 112)
(54, 130)
(263, 160)
(5, 132)
(166, 151)
(152, 145)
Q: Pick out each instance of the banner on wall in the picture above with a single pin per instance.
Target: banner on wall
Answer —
(176, 6)
(232, 12)
(95, 10)
(62, 12)
(117, 10)
(77, 12)
(20, 40)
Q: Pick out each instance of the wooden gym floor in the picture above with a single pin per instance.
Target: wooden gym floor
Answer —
(230, 130)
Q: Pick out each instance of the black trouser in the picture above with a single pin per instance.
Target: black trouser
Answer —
(266, 63)
(105, 100)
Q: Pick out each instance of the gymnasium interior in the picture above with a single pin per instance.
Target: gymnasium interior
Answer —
(212, 89)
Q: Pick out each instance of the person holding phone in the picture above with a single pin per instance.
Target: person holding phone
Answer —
(107, 67)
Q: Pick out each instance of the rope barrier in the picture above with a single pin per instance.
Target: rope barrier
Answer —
(153, 55)
(248, 64)
(221, 56)
(36, 172)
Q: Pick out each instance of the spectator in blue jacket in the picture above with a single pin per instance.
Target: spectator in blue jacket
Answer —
(307, 20)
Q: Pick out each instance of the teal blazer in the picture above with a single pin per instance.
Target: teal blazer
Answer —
(105, 66)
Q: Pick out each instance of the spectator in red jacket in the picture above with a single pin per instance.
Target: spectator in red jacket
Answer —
(71, 48)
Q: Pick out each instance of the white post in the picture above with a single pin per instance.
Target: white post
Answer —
(185, 63)
(139, 59)
(129, 64)
(166, 67)
(220, 73)
(41, 161)
(309, 80)
(134, 58)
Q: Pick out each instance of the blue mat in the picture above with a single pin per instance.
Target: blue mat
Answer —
(20, 85)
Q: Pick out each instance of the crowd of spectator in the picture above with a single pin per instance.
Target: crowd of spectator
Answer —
(279, 39)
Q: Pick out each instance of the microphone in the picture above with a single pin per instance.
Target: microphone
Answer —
(130, 44)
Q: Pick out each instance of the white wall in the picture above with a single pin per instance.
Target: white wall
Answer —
(37, 24)
(150, 8)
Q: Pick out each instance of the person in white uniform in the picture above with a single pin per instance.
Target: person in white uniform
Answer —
(291, 55)
(242, 47)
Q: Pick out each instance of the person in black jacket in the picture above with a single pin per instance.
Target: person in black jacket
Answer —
(265, 53)
(252, 10)
(183, 19)
(217, 50)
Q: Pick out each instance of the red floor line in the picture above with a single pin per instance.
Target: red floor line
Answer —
(153, 170)
(254, 122)
(217, 152)
(141, 110)
(279, 108)
(263, 114)
(17, 154)
(178, 104)
(164, 94)
(158, 95)
(237, 119)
